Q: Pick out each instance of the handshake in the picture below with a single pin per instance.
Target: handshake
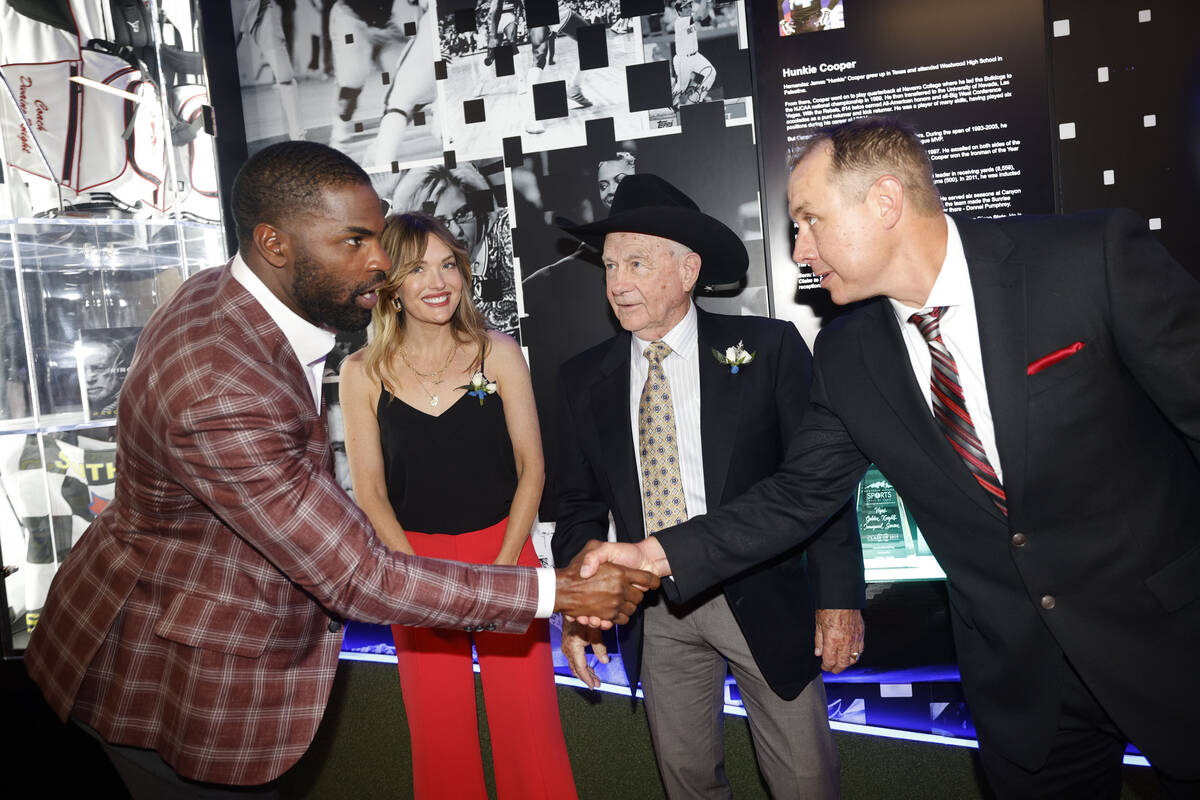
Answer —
(606, 580)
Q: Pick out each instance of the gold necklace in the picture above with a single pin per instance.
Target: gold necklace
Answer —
(433, 398)
(435, 375)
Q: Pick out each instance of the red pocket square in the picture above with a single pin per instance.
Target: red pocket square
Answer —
(1053, 358)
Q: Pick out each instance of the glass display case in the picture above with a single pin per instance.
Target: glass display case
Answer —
(76, 293)
(108, 202)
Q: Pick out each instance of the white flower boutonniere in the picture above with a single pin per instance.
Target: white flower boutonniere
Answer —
(734, 357)
(480, 386)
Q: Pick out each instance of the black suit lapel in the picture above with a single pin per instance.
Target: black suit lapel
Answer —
(887, 362)
(610, 402)
(720, 404)
(999, 288)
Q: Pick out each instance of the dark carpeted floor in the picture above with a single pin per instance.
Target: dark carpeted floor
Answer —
(361, 750)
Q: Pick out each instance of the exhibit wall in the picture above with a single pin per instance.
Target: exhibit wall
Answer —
(1125, 119)
(502, 118)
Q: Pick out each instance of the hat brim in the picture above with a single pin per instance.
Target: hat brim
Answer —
(723, 258)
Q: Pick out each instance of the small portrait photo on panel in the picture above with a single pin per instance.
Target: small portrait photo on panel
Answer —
(103, 357)
(810, 16)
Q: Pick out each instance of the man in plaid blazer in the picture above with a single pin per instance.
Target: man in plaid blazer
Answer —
(201, 614)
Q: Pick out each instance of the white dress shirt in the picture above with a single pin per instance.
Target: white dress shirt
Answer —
(960, 333)
(682, 368)
(312, 344)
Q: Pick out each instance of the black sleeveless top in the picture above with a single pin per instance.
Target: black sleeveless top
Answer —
(450, 474)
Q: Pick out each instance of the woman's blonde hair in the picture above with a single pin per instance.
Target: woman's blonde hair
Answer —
(405, 237)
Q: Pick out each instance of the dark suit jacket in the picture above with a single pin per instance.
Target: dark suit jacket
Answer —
(200, 614)
(1099, 557)
(746, 420)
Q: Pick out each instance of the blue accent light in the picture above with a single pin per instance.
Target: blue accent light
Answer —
(378, 658)
(906, 698)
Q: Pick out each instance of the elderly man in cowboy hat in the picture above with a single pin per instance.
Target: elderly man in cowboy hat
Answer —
(678, 414)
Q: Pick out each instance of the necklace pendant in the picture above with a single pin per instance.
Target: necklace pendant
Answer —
(433, 400)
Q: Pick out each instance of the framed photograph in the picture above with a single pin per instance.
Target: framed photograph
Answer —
(102, 357)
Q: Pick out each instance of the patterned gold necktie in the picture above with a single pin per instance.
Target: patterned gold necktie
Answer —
(662, 482)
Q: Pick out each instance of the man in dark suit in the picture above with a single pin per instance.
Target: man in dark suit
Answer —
(1041, 417)
(730, 392)
(194, 629)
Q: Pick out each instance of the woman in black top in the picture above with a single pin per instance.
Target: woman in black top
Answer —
(446, 459)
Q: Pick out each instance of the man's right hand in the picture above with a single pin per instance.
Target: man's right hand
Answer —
(609, 595)
(575, 640)
(645, 555)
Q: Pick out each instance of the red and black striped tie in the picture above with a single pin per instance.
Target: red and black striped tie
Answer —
(950, 410)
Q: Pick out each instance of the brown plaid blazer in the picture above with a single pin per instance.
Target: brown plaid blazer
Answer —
(200, 614)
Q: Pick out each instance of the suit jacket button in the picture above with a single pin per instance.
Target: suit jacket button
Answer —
(491, 626)
(1048, 601)
(334, 626)
(1018, 540)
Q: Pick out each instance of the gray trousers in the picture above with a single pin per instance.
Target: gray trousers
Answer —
(684, 658)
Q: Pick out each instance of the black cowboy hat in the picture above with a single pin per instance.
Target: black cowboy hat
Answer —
(646, 203)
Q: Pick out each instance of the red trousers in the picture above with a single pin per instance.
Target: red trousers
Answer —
(438, 682)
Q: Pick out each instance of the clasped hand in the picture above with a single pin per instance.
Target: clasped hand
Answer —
(581, 631)
(646, 557)
(599, 589)
(839, 633)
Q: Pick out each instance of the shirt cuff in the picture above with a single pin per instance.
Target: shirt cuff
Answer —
(547, 587)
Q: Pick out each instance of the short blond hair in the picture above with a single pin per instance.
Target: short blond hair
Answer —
(864, 150)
